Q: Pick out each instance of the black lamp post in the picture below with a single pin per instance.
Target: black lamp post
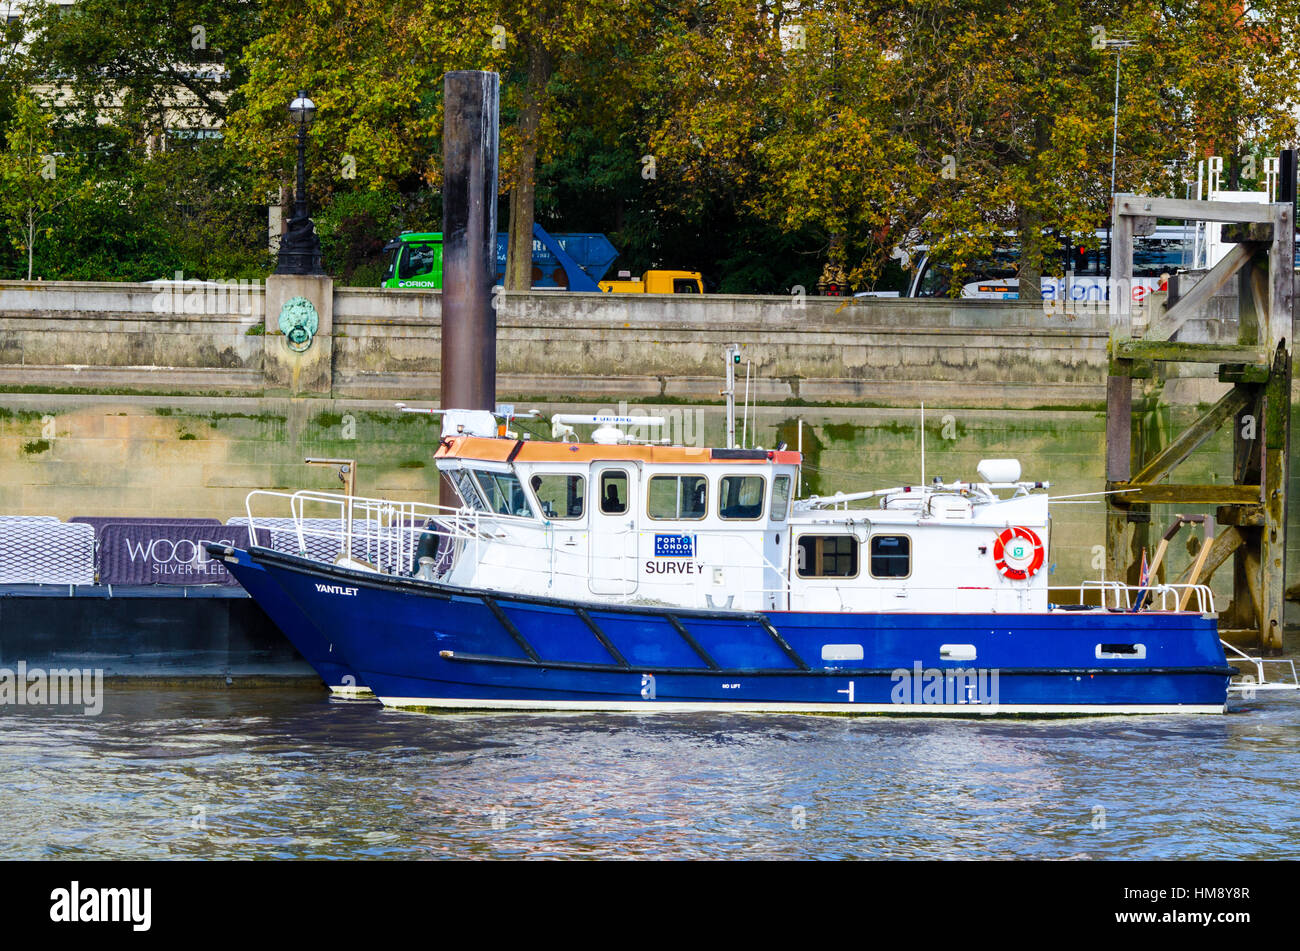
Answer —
(299, 245)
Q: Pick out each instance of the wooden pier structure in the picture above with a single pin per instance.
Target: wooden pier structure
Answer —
(1250, 513)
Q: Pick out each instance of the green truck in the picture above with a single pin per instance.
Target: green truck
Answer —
(416, 260)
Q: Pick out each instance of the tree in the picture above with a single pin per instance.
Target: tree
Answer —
(36, 181)
(112, 232)
(148, 65)
(873, 124)
(750, 139)
(793, 111)
(1012, 101)
(205, 199)
(140, 92)
(354, 228)
(566, 65)
(1231, 81)
(375, 68)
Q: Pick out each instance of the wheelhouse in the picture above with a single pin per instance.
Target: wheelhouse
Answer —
(720, 529)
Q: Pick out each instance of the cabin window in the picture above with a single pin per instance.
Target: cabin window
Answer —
(503, 493)
(465, 487)
(613, 492)
(780, 497)
(741, 497)
(828, 556)
(560, 496)
(678, 497)
(891, 556)
(417, 260)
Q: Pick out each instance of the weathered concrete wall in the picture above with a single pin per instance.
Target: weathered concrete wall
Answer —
(187, 340)
(68, 455)
(79, 335)
(819, 351)
(192, 339)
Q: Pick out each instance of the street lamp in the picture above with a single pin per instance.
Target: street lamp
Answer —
(1119, 44)
(299, 246)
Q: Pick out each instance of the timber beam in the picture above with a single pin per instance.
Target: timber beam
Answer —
(1169, 351)
(1224, 544)
(1188, 210)
(1240, 233)
(1186, 494)
(1245, 516)
(1238, 373)
(1189, 439)
(1193, 301)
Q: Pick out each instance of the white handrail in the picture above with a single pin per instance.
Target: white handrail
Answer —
(1125, 595)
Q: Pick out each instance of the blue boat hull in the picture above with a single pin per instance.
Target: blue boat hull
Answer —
(426, 645)
(315, 648)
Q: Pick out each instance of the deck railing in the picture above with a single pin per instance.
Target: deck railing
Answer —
(1118, 596)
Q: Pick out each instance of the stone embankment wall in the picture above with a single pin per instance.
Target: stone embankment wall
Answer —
(122, 338)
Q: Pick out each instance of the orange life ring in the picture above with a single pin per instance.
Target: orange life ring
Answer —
(1018, 553)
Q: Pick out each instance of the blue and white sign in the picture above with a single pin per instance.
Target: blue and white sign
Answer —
(674, 546)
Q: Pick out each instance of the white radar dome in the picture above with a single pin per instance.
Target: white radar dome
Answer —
(999, 470)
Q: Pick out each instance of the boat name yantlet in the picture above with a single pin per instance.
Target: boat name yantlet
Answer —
(336, 589)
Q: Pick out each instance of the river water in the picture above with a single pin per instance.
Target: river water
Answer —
(289, 773)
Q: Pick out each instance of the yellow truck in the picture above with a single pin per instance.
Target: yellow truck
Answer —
(657, 282)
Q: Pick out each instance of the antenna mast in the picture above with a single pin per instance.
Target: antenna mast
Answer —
(923, 444)
(732, 356)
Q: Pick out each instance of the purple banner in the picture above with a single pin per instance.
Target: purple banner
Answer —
(164, 553)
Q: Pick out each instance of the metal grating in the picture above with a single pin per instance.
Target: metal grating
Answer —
(43, 550)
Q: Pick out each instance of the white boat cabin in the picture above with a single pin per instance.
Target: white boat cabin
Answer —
(719, 528)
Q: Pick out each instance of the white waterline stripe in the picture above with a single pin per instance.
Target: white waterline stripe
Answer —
(687, 706)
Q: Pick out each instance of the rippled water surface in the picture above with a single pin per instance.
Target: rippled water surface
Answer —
(289, 773)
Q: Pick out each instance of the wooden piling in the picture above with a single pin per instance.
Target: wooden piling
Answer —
(1258, 406)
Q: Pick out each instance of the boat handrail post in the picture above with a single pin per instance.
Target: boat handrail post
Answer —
(248, 511)
(296, 510)
(348, 476)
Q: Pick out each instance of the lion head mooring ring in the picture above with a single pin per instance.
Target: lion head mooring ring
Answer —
(298, 322)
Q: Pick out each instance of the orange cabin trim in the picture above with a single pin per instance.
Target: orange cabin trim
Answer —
(498, 450)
